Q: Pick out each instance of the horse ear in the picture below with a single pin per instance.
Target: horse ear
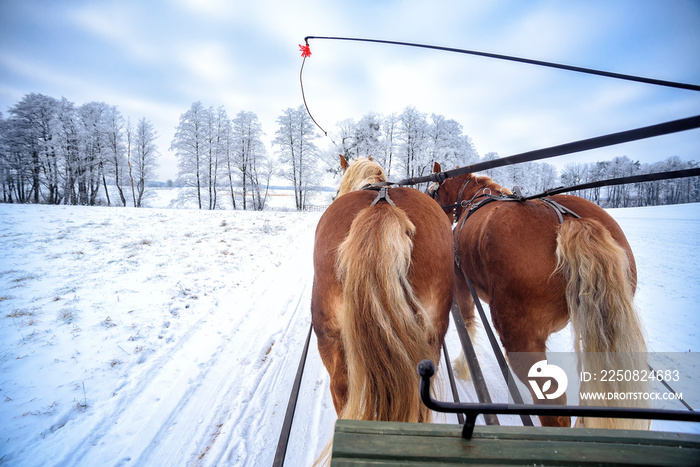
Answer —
(436, 167)
(343, 163)
(370, 158)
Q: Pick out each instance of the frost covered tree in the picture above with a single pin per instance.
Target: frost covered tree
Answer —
(54, 152)
(228, 156)
(67, 141)
(357, 139)
(95, 149)
(621, 195)
(144, 158)
(190, 146)
(249, 155)
(368, 136)
(4, 169)
(413, 137)
(390, 125)
(28, 140)
(576, 174)
(545, 177)
(346, 143)
(297, 151)
(118, 140)
(214, 123)
(447, 144)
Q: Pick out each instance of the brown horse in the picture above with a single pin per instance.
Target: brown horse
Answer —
(381, 296)
(538, 269)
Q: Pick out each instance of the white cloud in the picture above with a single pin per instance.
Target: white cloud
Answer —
(210, 63)
(116, 23)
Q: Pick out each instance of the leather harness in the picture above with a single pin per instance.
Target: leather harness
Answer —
(483, 197)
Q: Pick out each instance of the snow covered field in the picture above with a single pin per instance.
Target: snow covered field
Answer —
(172, 336)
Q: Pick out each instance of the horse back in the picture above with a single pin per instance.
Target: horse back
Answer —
(512, 244)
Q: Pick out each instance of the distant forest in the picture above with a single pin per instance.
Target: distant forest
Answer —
(54, 152)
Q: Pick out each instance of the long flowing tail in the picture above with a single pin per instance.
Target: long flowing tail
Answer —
(385, 329)
(608, 334)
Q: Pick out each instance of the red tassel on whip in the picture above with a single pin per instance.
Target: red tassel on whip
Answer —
(305, 50)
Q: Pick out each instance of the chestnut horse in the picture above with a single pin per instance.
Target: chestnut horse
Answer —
(381, 296)
(538, 269)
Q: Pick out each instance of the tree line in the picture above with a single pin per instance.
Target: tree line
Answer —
(654, 193)
(218, 155)
(52, 151)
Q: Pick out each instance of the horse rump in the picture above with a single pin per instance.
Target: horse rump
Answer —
(385, 329)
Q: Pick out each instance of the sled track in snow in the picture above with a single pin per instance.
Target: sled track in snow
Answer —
(206, 401)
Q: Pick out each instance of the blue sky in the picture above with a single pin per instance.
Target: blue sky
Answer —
(154, 59)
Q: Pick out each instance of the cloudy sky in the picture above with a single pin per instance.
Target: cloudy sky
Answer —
(154, 59)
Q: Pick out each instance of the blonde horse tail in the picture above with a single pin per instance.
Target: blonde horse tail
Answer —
(608, 334)
(385, 330)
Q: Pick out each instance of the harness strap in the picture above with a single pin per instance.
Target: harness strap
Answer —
(559, 209)
(383, 194)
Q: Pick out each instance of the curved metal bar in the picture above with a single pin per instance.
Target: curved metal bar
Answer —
(426, 369)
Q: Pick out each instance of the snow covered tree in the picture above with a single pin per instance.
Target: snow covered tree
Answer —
(298, 153)
(447, 144)
(212, 132)
(545, 178)
(621, 195)
(143, 162)
(118, 140)
(390, 131)
(92, 149)
(368, 136)
(358, 139)
(190, 146)
(228, 156)
(345, 138)
(28, 143)
(67, 140)
(413, 135)
(249, 155)
(4, 167)
(575, 174)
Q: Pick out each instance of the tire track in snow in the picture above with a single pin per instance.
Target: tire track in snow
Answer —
(262, 404)
(224, 408)
(221, 400)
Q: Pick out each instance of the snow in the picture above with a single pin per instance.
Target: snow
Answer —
(162, 336)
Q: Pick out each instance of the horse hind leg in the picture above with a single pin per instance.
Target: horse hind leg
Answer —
(465, 301)
(333, 358)
(522, 357)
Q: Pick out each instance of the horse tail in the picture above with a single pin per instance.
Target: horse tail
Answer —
(608, 335)
(384, 328)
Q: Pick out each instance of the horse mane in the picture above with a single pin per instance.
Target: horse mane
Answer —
(359, 173)
(487, 182)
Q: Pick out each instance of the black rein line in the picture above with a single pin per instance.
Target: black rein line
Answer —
(639, 79)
